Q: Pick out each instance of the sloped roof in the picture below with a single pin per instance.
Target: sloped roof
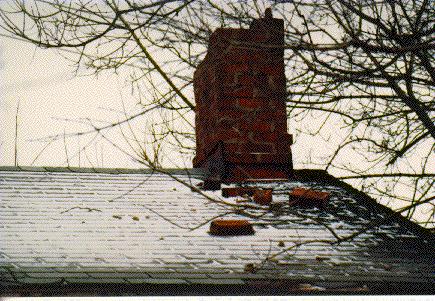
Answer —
(136, 229)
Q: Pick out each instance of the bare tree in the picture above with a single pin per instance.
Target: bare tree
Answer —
(369, 66)
(365, 67)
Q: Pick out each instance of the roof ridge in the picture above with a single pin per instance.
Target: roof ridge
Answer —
(112, 170)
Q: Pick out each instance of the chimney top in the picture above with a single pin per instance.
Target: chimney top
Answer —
(268, 13)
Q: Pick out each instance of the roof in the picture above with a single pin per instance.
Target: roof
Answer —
(77, 230)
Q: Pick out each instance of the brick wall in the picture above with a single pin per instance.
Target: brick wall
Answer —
(240, 102)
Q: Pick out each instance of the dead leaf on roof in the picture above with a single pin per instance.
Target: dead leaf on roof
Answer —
(117, 216)
(281, 244)
(250, 268)
(135, 218)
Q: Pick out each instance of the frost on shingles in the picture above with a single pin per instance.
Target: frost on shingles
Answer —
(70, 221)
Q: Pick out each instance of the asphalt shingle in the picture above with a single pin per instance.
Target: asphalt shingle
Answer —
(118, 226)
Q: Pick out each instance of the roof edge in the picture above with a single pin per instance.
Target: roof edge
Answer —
(250, 288)
(323, 176)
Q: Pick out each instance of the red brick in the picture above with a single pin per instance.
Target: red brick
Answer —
(308, 198)
(250, 103)
(233, 68)
(243, 55)
(224, 105)
(229, 109)
(232, 147)
(231, 227)
(262, 126)
(228, 138)
(237, 191)
(272, 68)
(239, 91)
(263, 197)
(283, 144)
(226, 122)
(226, 35)
(266, 137)
(257, 126)
(268, 115)
(260, 38)
(251, 147)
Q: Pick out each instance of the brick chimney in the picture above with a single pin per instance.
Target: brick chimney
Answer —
(240, 93)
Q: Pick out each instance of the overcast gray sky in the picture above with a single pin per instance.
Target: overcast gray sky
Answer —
(44, 85)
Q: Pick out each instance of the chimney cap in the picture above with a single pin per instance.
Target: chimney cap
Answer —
(268, 13)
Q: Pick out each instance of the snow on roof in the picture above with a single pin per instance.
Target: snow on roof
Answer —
(75, 226)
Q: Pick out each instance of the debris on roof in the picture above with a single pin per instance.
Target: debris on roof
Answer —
(237, 191)
(231, 227)
(263, 196)
(308, 198)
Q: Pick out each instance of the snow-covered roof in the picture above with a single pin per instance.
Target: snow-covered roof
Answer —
(65, 227)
